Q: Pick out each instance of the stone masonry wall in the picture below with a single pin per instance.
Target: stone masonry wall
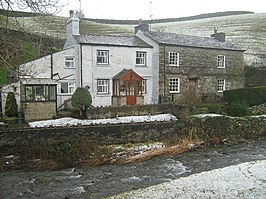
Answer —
(201, 127)
(38, 110)
(152, 109)
(200, 64)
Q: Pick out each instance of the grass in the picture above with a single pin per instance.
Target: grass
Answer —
(3, 76)
(244, 30)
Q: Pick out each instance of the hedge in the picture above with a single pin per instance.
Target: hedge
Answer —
(252, 96)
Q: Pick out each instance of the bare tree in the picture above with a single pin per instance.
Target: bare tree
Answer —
(12, 52)
(36, 6)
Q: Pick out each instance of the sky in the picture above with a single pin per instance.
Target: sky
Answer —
(157, 9)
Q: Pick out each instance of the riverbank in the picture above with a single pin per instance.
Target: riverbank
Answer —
(246, 180)
(113, 179)
(53, 148)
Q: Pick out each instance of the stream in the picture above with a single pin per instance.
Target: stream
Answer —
(109, 180)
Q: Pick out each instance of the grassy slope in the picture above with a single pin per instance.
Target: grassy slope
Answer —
(245, 30)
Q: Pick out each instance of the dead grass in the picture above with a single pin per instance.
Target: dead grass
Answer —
(184, 146)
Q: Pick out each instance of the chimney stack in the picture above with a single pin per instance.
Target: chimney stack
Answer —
(142, 26)
(220, 36)
(71, 13)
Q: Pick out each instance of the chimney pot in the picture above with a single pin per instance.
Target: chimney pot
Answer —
(71, 13)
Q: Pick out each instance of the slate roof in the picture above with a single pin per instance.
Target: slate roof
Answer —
(189, 41)
(128, 41)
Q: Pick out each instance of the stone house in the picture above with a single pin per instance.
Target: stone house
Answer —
(194, 68)
(147, 68)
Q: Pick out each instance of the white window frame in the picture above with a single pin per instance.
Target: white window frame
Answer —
(173, 58)
(220, 85)
(220, 61)
(69, 62)
(103, 86)
(174, 85)
(141, 58)
(144, 87)
(70, 87)
(103, 55)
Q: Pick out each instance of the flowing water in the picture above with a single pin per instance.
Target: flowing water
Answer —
(109, 180)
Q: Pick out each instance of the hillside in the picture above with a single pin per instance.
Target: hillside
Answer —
(245, 29)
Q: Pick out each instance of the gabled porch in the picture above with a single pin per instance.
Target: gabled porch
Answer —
(127, 88)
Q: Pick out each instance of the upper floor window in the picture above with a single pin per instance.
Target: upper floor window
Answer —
(103, 57)
(40, 93)
(220, 85)
(221, 61)
(102, 86)
(174, 85)
(69, 62)
(141, 58)
(67, 87)
(173, 59)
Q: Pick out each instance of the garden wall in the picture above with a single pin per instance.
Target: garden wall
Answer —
(152, 109)
(205, 128)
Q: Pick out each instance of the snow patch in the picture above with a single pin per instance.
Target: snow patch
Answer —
(68, 121)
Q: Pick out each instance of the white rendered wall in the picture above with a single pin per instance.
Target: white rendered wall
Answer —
(119, 58)
(155, 64)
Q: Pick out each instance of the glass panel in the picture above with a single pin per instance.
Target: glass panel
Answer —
(64, 87)
(52, 95)
(39, 93)
(28, 93)
(122, 88)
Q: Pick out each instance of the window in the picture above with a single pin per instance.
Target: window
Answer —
(70, 62)
(174, 85)
(67, 87)
(144, 86)
(103, 57)
(173, 59)
(102, 86)
(122, 88)
(221, 85)
(40, 92)
(221, 61)
(141, 58)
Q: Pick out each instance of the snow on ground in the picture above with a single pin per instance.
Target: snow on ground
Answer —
(246, 180)
(68, 121)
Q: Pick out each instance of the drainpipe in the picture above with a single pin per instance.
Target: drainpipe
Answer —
(164, 75)
(52, 66)
(81, 79)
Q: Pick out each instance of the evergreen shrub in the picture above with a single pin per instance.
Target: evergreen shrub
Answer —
(11, 107)
(252, 96)
(238, 108)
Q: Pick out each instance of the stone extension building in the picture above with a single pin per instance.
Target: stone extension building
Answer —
(194, 69)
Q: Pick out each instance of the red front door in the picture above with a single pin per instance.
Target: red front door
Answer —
(131, 97)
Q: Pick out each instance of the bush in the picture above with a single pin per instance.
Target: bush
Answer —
(81, 99)
(11, 107)
(213, 107)
(252, 96)
(238, 108)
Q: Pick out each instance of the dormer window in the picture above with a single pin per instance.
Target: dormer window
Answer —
(221, 61)
(69, 62)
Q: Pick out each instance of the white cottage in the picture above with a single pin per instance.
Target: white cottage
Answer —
(117, 70)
